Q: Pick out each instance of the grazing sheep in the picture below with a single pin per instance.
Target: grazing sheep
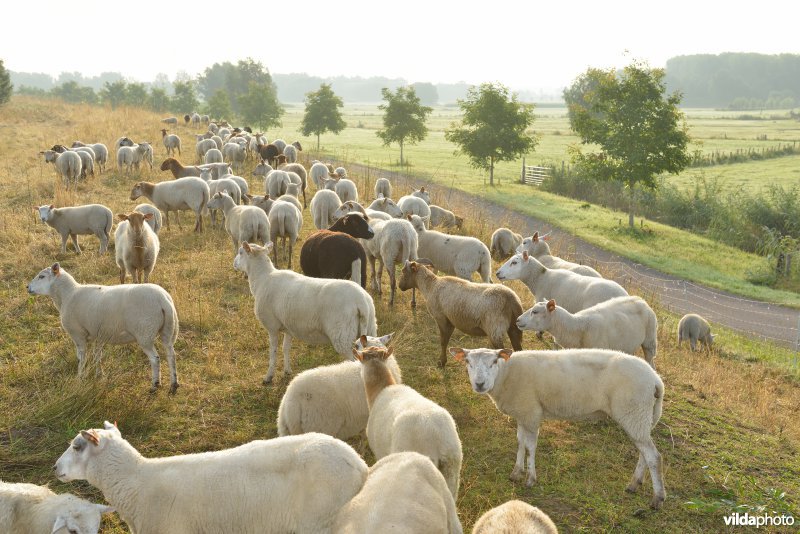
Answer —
(504, 243)
(263, 202)
(213, 156)
(136, 246)
(403, 493)
(291, 153)
(346, 190)
(538, 248)
(243, 223)
(87, 158)
(145, 150)
(319, 173)
(262, 169)
(695, 328)
(336, 253)
(298, 169)
(188, 193)
(100, 152)
(71, 222)
(324, 204)
(170, 120)
(205, 119)
(285, 221)
(30, 509)
(395, 242)
(383, 187)
(114, 315)
(475, 309)
(204, 146)
(276, 183)
(401, 419)
(514, 516)
(340, 172)
(155, 220)
(291, 484)
(171, 142)
(67, 164)
(572, 384)
(354, 207)
(219, 170)
(235, 154)
(314, 310)
(445, 218)
(178, 170)
(386, 205)
(330, 399)
(412, 205)
(453, 254)
(573, 291)
(621, 323)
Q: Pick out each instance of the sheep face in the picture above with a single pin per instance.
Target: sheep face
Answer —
(79, 516)
(40, 285)
(537, 318)
(354, 225)
(386, 205)
(262, 169)
(369, 341)
(72, 465)
(424, 195)
(50, 156)
(417, 222)
(483, 365)
(136, 192)
(247, 252)
(535, 245)
(135, 219)
(512, 269)
(217, 201)
(46, 213)
(344, 209)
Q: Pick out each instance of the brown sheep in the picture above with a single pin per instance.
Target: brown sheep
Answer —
(269, 153)
(475, 309)
(332, 253)
(178, 169)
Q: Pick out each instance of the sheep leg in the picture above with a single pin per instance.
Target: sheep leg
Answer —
(515, 336)
(376, 287)
(166, 216)
(273, 354)
(287, 364)
(380, 275)
(80, 352)
(654, 463)
(64, 243)
(75, 242)
(150, 350)
(103, 242)
(638, 475)
(122, 275)
(392, 280)
(173, 370)
(445, 331)
(198, 224)
(526, 440)
(275, 261)
(291, 242)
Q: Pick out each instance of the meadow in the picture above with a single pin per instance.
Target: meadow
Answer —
(729, 434)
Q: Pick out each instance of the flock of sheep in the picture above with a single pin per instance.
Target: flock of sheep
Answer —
(263, 486)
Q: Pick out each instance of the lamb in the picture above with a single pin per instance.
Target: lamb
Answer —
(188, 193)
(314, 310)
(475, 309)
(336, 253)
(204, 146)
(323, 207)
(383, 187)
(136, 246)
(291, 484)
(68, 164)
(538, 248)
(276, 183)
(100, 152)
(346, 190)
(397, 485)
(213, 156)
(568, 385)
(453, 254)
(178, 170)
(262, 169)
(395, 242)
(302, 173)
(319, 173)
(621, 323)
(573, 291)
(504, 243)
(291, 153)
(412, 205)
(285, 221)
(155, 220)
(88, 219)
(171, 142)
(695, 328)
(330, 399)
(115, 315)
(443, 217)
(515, 516)
(30, 509)
(243, 223)
(235, 154)
(400, 419)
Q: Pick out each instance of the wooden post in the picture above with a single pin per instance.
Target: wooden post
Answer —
(522, 176)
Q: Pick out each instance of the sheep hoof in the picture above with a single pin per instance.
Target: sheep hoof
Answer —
(530, 482)
(267, 381)
(173, 388)
(516, 475)
(655, 504)
(154, 387)
(632, 487)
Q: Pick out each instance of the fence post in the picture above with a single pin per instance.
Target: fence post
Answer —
(522, 176)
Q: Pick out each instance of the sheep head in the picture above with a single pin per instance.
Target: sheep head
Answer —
(483, 365)
(74, 463)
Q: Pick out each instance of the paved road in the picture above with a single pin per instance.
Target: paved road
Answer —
(755, 318)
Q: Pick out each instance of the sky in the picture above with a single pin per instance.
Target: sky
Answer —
(523, 44)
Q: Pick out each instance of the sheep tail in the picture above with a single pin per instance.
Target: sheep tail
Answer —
(204, 201)
(170, 326)
(366, 320)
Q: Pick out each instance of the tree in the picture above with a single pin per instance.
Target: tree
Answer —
(260, 105)
(641, 134)
(233, 79)
(159, 99)
(322, 113)
(219, 105)
(185, 99)
(493, 127)
(427, 93)
(5, 84)
(403, 118)
(72, 92)
(114, 93)
(136, 95)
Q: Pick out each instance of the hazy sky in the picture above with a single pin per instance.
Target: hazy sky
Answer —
(523, 44)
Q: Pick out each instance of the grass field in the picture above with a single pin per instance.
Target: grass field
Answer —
(729, 434)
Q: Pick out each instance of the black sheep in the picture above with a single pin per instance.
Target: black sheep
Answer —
(330, 253)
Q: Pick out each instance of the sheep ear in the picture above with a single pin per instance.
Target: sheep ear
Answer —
(386, 339)
(422, 189)
(56, 268)
(358, 355)
(505, 353)
(408, 216)
(122, 217)
(58, 524)
(551, 305)
(535, 237)
(91, 436)
(148, 216)
(111, 426)
(363, 340)
(388, 352)
(525, 255)
(103, 509)
(52, 206)
(458, 353)
(246, 247)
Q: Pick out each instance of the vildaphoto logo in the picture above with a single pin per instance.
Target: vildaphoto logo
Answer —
(758, 521)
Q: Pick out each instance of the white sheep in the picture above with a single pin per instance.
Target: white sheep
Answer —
(100, 152)
(31, 509)
(403, 493)
(340, 172)
(401, 419)
(319, 173)
(136, 246)
(291, 484)
(244, 187)
(443, 217)
(263, 202)
(190, 193)
(87, 160)
(129, 158)
(290, 152)
(621, 323)
(155, 221)
(301, 172)
(395, 242)
(537, 247)
(114, 315)
(243, 223)
(515, 516)
(573, 291)
(383, 187)
(330, 399)
(421, 193)
(276, 183)
(71, 222)
(352, 206)
(695, 328)
(504, 243)
(346, 190)
(213, 156)
(292, 196)
(324, 204)
(454, 254)
(262, 169)
(386, 205)
(145, 150)
(281, 144)
(68, 164)
(204, 146)
(171, 142)
(285, 221)
(314, 310)
(412, 205)
(572, 384)
(235, 154)
(215, 186)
